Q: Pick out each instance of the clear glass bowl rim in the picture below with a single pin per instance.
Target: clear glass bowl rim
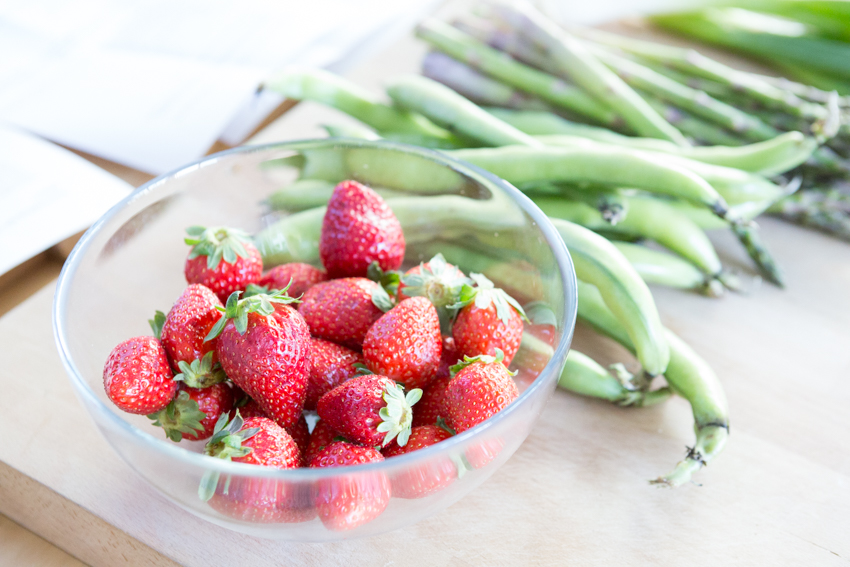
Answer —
(201, 461)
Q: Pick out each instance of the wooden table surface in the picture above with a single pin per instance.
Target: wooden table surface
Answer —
(575, 493)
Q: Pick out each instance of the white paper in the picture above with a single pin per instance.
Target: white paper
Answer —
(153, 84)
(46, 195)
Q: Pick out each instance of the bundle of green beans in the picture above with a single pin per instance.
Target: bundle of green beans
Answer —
(511, 57)
(582, 179)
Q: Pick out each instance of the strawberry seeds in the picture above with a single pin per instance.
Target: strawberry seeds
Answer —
(243, 356)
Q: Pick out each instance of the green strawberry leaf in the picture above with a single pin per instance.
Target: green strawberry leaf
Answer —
(180, 416)
(362, 369)
(217, 243)
(238, 309)
(441, 423)
(387, 280)
(227, 438)
(157, 323)
(201, 373)
(486, 359)
(382, 299)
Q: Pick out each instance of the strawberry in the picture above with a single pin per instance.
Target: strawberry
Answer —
(482, 453)
(298, 277)
(345, 502)
(430, 407)
(137, 376)
(264, 348)
(262, 500)
(187, 324)
(341, 310)
(223, 259)
(322, 436)
(370, 410)
(437, 280)
(359, 228)
(488, 319)
(300, 433)
(425, 479)
(405, 343)
(480, 388)
(250, 408)
(193, 413)
(332, 365)
(256, 441)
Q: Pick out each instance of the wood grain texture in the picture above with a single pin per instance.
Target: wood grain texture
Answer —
(576, 492)
(22, 547)
(577, 489)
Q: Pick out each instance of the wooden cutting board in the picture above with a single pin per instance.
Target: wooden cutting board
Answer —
(575, 493)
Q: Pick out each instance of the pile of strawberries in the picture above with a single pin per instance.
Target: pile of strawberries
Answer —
(392, 362)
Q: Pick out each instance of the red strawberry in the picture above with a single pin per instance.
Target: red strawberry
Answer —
(430, 407)
(346, 502)
(223, 259)
(264, 348)
(370, 410)
(193, 413)
(137, 376)
(425, 479)
(256, 441)
(359, 228)
(302, 276)
(341, 310)
(332, 365)
(250, 409)
(490, 319)
(187, 325)
(405, 343)
(437, 280)
(483, 452)
(322, 436)
(262, 500)
(300, 433)
(481, 387)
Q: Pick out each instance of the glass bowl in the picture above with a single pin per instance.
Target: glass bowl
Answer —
(130, 263)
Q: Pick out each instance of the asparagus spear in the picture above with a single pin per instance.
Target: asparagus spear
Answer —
(693, 63)
(695, 101)
(575, 62)
(498, 65)
(476, 86)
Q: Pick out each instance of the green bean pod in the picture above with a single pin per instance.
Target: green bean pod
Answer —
(647, 218)
(599, 262)
(692, 378)
(332, 90)
(664, 269)
(768, 158)
(584, 376)
(451, 110)
(687, 374)
(734, 185)
(597, 163)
